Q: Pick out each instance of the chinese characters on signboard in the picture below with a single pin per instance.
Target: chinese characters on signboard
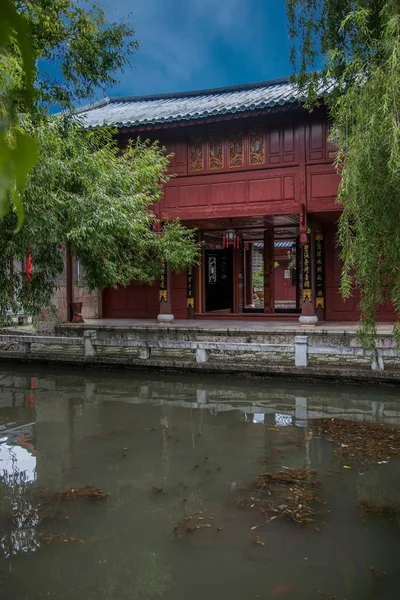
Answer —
(320, 270)
(163, 281)
(212, 270)
(190, 290)
(307, 275)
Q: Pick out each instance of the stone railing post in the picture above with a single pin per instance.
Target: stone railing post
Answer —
(144, 353)
(377, 361)
(88, 337)
(301, 351)
(24, 347)
(202, 355)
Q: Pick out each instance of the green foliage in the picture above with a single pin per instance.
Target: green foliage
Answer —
(360, 44)
(37, 39)
(86, 193)
(18, 150)
(258, 279)
(75, 49)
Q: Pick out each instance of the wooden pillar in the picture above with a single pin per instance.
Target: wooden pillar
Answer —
(249, 276)
(165, 315)
(319, 248)
(199, 279)
(236, 280)
(269, 279)
(308, 315)
(190, 292)
(241, 278)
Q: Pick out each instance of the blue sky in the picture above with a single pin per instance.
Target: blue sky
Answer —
(196, 44)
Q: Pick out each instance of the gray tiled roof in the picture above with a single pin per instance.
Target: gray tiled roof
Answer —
(204, 104)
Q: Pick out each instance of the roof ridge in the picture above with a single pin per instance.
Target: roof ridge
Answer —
(91, 105)
(204, 92)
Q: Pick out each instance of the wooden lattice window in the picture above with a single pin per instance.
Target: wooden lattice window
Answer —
(215, 153)
(256, 148)
(236, 158)
(196, 155)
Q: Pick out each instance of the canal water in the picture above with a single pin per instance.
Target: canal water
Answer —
(174, 454)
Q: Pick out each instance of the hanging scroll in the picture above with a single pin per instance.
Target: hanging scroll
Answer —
(307, 274)
(190, 288)
(320, 271)
(163, 281)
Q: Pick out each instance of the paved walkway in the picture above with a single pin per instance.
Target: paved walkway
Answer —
(226, 325)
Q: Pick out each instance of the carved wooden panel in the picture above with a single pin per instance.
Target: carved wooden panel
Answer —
(236, 157)
(196, 155)
(256, 148)
(215, 153)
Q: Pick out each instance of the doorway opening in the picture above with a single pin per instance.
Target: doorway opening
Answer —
(284, 270)
(245, 277)
(219, 279)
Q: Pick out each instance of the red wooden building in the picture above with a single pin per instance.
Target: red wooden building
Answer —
(253, 172)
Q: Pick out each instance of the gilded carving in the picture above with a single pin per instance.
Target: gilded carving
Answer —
(256, 148)
(236, 158)
(215, 155)
(196, 155)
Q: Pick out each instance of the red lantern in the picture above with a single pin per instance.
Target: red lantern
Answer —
(230, 239)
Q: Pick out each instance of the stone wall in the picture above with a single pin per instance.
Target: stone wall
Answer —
(91, 300)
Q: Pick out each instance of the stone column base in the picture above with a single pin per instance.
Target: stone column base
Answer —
(308, 320)
(165, 318)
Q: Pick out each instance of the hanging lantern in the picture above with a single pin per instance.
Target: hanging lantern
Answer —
(230, 239)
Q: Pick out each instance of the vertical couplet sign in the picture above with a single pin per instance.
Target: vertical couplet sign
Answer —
(320, 271)
(164, 281)
(189, 289)
(307, 274)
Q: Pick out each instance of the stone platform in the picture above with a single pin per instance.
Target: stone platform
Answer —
(248, 331)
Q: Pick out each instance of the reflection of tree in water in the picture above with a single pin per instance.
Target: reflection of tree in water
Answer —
(18, 515)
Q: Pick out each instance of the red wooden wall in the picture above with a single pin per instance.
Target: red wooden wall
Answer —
(338, 309)
(220, 172)
(139, 301)
(294, 166)
(284, 288)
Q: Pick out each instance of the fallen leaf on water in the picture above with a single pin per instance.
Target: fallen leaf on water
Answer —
(280, 589)
(256, 540)
(382, 462)
(346, 467)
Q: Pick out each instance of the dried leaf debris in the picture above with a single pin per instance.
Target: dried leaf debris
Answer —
(290, 493)
(361, 441)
